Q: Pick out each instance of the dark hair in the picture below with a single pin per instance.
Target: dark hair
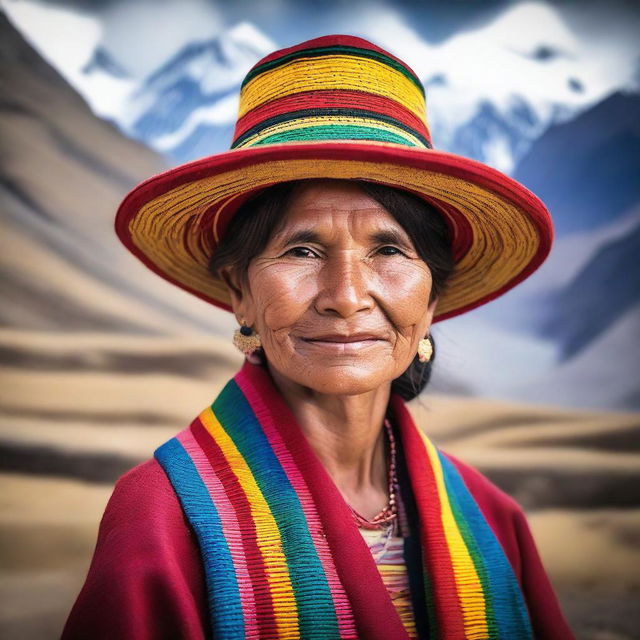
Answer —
(259, 218)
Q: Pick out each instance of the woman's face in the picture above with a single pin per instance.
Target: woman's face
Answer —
(339, 295)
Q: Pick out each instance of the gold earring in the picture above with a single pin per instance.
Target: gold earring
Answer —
(246, 340)
(425, 349)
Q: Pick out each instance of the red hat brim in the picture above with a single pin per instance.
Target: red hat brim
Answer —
(501, 232)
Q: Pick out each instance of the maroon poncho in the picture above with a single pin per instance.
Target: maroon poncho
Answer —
(147, 579)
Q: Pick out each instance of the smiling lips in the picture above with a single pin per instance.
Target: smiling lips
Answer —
(344, 343)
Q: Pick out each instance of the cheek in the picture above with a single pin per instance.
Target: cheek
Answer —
(404, 292)
(281, 296)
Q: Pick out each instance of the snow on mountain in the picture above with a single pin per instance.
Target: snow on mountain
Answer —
(103, 62)
(75, 53)
(64, 172)
(193, 98)
(107, 84)
(501, 93)
(585, 171)
(585, 295)
(493, 90)
(490, 91)
(489, 94)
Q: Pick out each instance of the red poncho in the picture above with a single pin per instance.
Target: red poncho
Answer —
(147, 578)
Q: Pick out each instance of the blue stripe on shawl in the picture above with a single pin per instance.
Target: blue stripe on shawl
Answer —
(222, 584)
(508, 604)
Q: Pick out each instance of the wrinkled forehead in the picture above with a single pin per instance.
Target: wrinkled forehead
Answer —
(334, 207)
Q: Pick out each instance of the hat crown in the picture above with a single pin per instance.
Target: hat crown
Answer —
(335, 87)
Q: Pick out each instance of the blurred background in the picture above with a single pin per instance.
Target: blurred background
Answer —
(103, 361)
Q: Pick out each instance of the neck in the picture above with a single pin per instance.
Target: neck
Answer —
(347, 434)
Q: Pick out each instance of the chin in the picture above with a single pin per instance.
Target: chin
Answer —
(343, 380)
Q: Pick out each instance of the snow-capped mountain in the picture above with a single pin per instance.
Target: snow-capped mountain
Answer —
(64, 171)
(188, 107)
(491, 91)
(580, 308)
(586, 170)
(532, 106)
(103, 62)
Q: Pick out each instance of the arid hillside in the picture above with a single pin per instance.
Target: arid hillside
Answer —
(63, 173)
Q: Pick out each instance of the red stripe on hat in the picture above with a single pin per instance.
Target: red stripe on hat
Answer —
(346, 99)
(331, 41)
(435, 160)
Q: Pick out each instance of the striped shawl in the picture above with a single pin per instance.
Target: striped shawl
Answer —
(283, 557)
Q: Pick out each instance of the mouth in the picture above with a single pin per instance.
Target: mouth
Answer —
(338, 343)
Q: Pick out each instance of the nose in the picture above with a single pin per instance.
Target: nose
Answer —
(345, 285)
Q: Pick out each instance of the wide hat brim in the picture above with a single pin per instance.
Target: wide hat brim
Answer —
(501, 232)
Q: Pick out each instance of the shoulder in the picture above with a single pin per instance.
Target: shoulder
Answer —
(143, 481)
(145, 579)
(144, 538)
(489, 496)
(144, 512)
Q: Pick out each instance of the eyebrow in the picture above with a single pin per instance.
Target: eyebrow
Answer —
(300, 236)
(386, 236)
(391, 236)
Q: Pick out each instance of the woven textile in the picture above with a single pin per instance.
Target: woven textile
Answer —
(283, 556)
(371, 96)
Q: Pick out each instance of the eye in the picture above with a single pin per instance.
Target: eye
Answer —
(389, 250)
(301, 252)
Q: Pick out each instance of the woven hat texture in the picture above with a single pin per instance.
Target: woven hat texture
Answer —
(340, 107)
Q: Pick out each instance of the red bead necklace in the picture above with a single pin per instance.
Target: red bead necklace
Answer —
(390, 512)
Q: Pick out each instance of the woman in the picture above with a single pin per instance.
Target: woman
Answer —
(305, 502)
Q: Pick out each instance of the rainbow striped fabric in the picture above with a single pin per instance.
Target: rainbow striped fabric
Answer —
(282, 554)
(390, 559)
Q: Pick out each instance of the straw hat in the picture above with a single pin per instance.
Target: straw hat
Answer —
(337, 107)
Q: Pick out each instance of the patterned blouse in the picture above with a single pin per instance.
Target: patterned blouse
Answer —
(388, 552)
(386, 543)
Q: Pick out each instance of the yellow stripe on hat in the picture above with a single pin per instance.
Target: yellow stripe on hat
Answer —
(267, 532)
(330, 73)
(159, 226)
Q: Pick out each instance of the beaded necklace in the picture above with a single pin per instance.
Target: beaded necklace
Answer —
(390, 512)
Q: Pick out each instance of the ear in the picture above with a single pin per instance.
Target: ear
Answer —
(431, 310)
(239, 294)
